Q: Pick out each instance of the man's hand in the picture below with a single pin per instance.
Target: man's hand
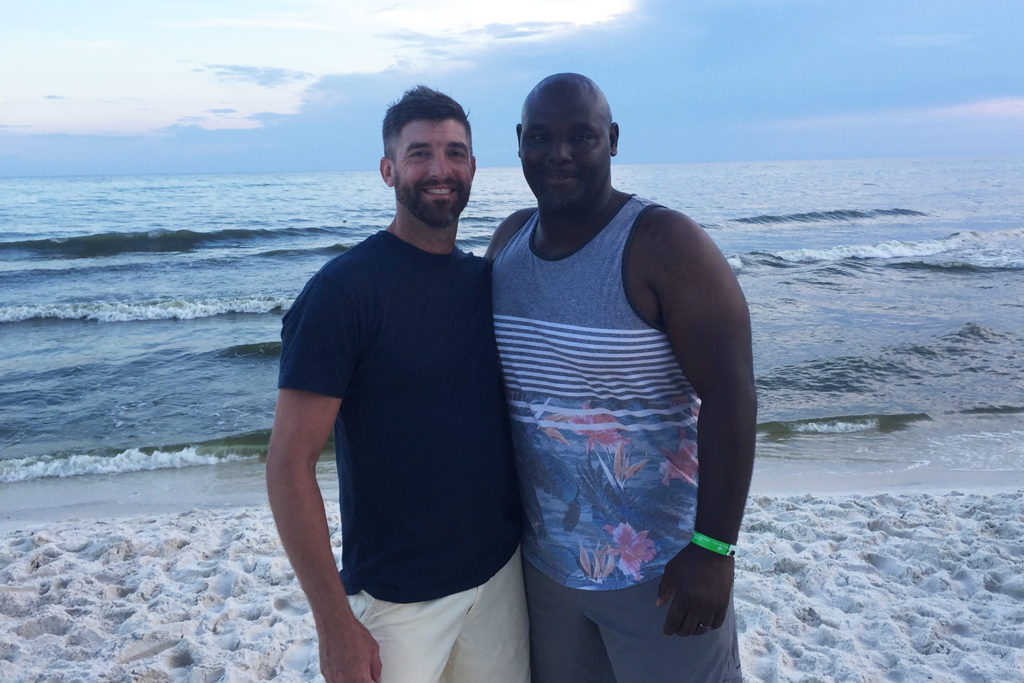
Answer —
(348, 653)
(699, 584)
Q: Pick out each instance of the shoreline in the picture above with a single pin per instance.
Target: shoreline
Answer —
(39, 502)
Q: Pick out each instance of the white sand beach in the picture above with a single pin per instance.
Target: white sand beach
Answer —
(889, 586)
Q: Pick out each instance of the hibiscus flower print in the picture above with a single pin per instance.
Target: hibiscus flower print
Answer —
(633, 548)
(681, 464)
(601, 428)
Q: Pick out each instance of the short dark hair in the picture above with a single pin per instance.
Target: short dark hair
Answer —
(421, 103)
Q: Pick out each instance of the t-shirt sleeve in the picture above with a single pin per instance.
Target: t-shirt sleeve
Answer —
(319, 339)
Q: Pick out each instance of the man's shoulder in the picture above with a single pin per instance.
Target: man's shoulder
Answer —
(655, 215)
(669, 246)
(470, 259)
(507, 228)
(671, 250)
(363, 256)
(662, 228)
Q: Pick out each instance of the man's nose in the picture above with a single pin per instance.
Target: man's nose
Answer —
(438, 166)
(560, 150)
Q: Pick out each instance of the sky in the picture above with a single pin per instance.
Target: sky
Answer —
(128, 87)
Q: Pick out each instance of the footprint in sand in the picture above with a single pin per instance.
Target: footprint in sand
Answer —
(53, 624)
(287, 608)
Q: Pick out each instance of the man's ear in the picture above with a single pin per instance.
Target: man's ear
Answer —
(519, 139)
(387, 171)
(613, 138)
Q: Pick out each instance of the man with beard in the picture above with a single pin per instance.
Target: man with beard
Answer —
(391, 345)
(626, 350)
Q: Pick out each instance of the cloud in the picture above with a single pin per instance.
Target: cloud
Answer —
(456, 47)
(222, 111)
(482, 35)
(274, 24)
(98, 44)
(176, 59)
(1000, 108)
(267, 77)
(434, 17)
(55, 97)
(449, 18)
(532, 29)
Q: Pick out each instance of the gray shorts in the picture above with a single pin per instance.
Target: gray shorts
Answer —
(615, 636)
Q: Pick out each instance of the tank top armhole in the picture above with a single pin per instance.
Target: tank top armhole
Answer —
(627, 248)
(515, 233)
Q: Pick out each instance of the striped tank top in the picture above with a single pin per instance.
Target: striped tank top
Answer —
(604, 421)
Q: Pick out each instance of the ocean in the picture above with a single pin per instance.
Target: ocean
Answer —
(140, 316)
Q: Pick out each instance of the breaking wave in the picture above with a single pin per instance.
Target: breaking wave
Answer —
(844, 424)
(112, 243)
(122, 311)
(974, 250)
(829, 216)
(131, 460)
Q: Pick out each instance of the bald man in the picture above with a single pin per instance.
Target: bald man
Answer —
(626, 353)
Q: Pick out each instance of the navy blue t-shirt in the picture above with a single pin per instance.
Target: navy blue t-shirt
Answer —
(429, 503)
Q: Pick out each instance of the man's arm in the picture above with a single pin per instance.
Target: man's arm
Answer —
(302, 424)
(504, 232)
(679, 276)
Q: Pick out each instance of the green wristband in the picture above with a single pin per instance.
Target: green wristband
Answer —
(713, 545)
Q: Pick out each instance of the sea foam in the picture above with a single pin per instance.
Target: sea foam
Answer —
(125, 311)
(960, 242)
(131, 460)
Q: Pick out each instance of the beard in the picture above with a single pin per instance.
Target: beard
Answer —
(561, 199)
(558, 201)
(441, 213)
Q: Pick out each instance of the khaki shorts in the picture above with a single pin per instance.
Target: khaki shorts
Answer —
(477, 636)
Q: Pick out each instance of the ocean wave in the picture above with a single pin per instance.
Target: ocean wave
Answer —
(328, 250)
(257, 350)
(845, 424)
(112, 243)
(979, 249)
(120, 311)
(960, 267)
(131, 460)
(994, 410)
(829, 216)
(915, 374)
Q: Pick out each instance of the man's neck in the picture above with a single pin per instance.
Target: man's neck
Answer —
(560, 233)
(424, 237)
